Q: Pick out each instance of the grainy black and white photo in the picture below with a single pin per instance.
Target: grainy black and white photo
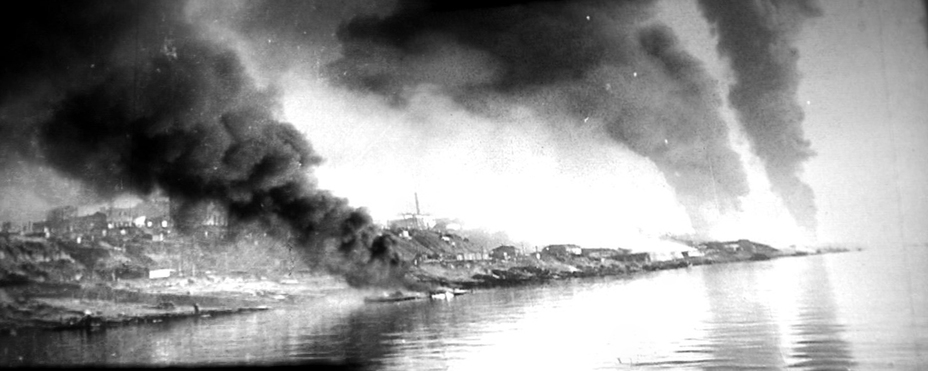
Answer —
(459, 185)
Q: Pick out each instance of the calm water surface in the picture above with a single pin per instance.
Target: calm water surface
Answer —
(866, 310)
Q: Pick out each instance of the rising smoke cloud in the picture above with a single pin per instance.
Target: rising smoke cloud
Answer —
(155, 107)
(51, 46)
(601, 68)
(757, 39)
(599, 64)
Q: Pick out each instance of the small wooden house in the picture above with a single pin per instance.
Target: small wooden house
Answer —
(562, 250)
(504, 252)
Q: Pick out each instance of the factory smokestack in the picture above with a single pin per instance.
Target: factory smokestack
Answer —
(757, 39)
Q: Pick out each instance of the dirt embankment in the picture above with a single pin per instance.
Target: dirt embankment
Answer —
(24, 259)
(69, 284)
(70, 305)
(64, 306)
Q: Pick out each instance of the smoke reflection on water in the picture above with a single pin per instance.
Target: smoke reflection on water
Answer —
(801, 313)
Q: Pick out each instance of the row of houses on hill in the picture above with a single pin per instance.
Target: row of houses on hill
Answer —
(645, 252)
(153, 215)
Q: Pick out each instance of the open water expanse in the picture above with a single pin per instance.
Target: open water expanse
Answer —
(860, 310)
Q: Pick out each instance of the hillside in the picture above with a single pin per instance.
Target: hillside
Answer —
(129, 257)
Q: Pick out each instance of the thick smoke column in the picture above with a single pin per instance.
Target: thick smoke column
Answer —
(756, 37)
(51, 46)
(190, 122)
(596, 63)
(173, 112)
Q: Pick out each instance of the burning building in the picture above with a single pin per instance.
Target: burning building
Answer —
(504, 253)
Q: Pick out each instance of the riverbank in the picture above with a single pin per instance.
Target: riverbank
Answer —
(95, 305)
(47, 284)
(75, 306)
(529, 270)
(535, 319)
(540, 268)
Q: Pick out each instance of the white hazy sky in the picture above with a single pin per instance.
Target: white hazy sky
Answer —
(867, 79)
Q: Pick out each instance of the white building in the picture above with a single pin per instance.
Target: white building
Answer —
(662, 250)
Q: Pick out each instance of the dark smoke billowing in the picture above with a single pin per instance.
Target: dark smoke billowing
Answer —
(602, 63)
(130, 96)
(145, 104)
(757, 38)
(51, 46)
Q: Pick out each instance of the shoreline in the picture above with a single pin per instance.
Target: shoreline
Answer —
(93, 306)
(98, 305)
(520, 275)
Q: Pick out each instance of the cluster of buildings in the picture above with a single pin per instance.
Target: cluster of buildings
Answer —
(656, 251)
(150, 218)
(644, 252)
(422, 221)
(415, 225)
(424, 228)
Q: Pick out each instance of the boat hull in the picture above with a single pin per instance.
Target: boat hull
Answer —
(389, 299)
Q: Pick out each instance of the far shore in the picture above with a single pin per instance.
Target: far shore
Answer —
(527, 270)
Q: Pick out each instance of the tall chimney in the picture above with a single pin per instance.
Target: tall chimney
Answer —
(416, 194)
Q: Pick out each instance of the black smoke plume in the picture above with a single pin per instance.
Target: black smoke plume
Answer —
(757, 39)
(384, 265)
(150, 106)
(596, 62)
(50, 46)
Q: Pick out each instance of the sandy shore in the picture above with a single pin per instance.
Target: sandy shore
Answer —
(88, 306)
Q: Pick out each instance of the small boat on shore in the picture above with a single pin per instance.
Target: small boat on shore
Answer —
(390, 298)
(440, 295)
(445, 293)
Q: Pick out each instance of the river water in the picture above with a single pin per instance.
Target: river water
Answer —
(861, 310)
